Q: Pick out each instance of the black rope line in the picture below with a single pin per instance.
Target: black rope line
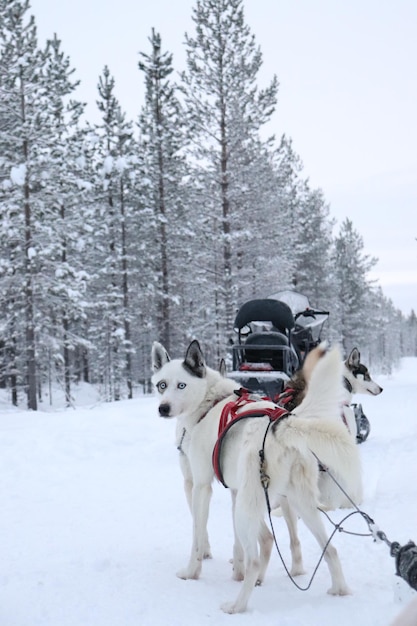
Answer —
(337, 527)
(369, 521)
(290, 576)
(405, 556)
(342, 530)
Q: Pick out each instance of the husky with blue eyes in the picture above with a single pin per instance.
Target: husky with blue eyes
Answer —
(199, 397)
(188, 390)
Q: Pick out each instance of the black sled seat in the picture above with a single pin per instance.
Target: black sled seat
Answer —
(268, 348)
(277, 313)
(264, 357)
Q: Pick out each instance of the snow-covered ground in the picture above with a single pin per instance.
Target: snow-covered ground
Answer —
(94, 524)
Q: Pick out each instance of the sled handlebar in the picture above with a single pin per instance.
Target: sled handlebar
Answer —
(310, 313)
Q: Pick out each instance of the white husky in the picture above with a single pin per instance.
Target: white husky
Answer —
(196, 394)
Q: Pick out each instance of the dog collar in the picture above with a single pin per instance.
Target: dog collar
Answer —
(184, 430)
(347, 384)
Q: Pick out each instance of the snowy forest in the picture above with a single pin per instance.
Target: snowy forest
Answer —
(119, 233)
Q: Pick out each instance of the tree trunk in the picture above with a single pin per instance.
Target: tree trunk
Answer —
(125, 288)
(65, 326)
(29, 309)
(164, 308)
(28, 272)
(226, 227)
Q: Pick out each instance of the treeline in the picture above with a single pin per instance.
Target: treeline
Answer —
(118, 233)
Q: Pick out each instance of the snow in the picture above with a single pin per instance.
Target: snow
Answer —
(108, 164)
(81, 161)
(84, 184)
(94, 523)
(121, 164)
(18, 174)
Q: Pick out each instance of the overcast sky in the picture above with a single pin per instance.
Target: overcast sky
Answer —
(347, 98)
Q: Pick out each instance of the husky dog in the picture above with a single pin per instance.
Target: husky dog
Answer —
(195, 394)
(356, 379)
(188, 390)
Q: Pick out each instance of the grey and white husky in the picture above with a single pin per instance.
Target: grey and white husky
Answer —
(195, 395)
(356, 380)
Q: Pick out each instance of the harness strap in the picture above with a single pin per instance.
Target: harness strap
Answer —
(344, 420)
(347, 384)
(179, 446)
(230, 416)
(184, 430)
(285, 396)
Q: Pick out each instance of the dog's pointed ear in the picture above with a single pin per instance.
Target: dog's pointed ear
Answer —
(194, 360)
(159, 356)
(222, 367)
(354, 358)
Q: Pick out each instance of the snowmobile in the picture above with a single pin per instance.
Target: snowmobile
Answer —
(274, 335)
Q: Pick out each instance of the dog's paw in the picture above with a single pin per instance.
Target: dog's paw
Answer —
(297, 570)
(339, 590)
(187, 574)
(230, 608)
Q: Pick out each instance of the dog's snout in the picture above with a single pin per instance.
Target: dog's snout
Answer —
(164, 410)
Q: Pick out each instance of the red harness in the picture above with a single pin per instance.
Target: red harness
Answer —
(230, 416)
(285, 396)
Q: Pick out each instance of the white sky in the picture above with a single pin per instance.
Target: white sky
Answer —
(348, 96)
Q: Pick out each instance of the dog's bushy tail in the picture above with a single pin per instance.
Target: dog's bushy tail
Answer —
(318, 420)
(324, 391)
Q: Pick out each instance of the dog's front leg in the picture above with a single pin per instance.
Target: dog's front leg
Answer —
(188, 489)
(201, 496)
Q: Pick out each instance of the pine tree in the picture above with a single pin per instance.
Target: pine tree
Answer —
(312, 247)
(23, 93)
(410, 339)
(286, 194)
(225, 112)
(65, 190)
(114, 164)
(161, 142)
(353, 287)
(384, 337)
(41, 198)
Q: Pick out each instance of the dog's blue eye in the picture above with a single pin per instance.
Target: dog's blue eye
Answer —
(181, 385)
(161, 386)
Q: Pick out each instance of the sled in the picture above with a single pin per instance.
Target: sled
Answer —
(274, 335)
